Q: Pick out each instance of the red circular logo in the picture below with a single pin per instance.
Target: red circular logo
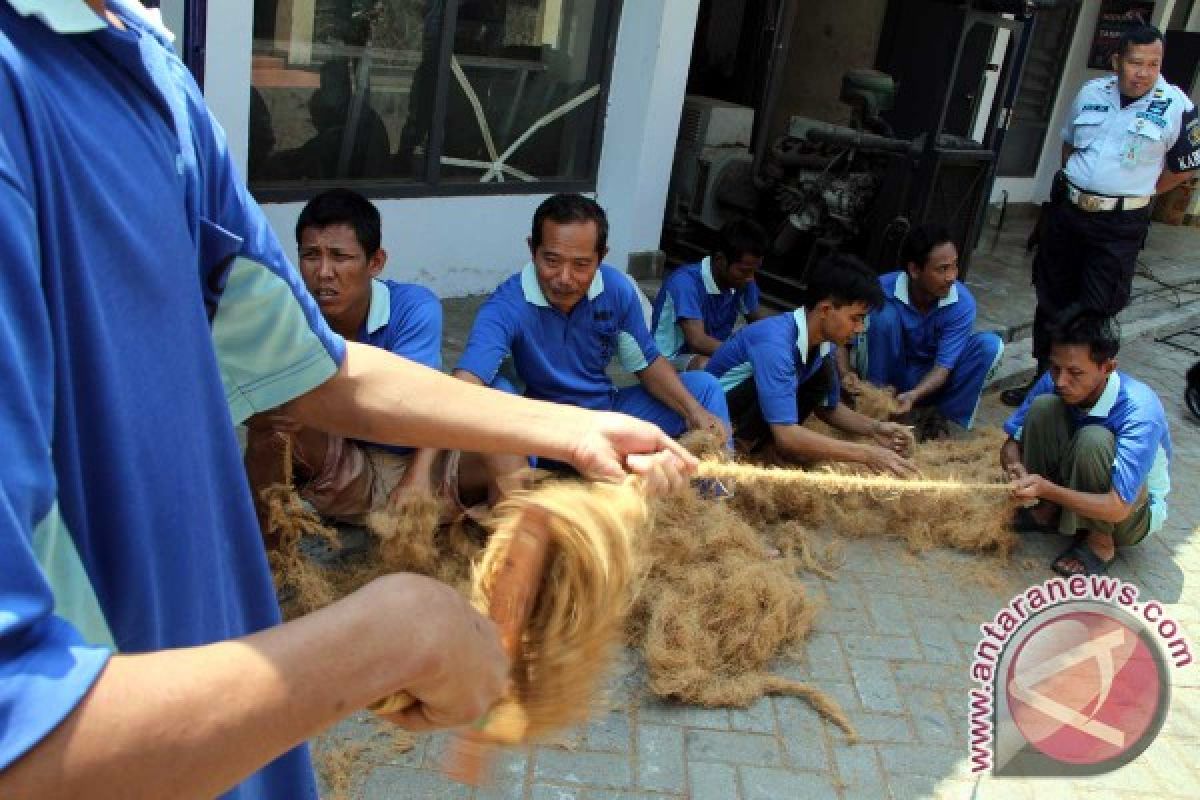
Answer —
(1084, 688)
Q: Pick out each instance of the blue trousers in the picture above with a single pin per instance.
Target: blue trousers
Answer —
(885, 361)
(637, 402)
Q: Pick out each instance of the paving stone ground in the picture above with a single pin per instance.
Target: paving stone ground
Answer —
(893, 646)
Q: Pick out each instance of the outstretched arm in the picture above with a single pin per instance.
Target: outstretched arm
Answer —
(379, 397)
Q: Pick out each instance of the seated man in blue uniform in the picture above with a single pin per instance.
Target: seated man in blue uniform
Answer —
(698, 304)
(565, 315)
(1091, 445)
(920, 340)
(338, 235)
(778, 371)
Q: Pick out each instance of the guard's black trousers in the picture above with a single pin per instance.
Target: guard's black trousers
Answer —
(1083, 257)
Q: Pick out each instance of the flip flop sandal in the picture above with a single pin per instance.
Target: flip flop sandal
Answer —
(1092, 563)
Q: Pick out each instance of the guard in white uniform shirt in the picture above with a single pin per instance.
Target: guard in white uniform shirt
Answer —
(1129, 137)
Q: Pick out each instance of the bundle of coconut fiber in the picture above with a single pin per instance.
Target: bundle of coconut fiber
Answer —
(714, 611)
(584, 597)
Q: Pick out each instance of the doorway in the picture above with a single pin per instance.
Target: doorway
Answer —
(1034, 105)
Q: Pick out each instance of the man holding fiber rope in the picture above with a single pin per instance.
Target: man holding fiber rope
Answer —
(1091, 446)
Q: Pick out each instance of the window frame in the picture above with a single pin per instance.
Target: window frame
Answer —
(602, 50)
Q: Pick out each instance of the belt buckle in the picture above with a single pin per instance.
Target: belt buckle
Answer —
(1090, 202)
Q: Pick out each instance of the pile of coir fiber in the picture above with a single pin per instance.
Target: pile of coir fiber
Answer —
(715, 611)
(712, 611)
(405, 539)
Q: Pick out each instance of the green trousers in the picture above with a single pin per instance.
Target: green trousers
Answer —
(1081, 460)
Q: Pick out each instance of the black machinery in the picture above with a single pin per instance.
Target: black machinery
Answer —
(908, 155)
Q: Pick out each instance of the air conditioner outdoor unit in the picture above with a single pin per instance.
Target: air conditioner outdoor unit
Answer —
(707, 122)
(712, 134)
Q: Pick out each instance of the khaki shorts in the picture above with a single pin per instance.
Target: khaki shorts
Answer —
(356, 480)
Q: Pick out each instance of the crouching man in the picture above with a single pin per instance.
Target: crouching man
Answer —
(1091, 445)
(778, 371)
(921, 341)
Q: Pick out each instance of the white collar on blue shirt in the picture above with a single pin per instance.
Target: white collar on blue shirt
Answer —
(902, 292)
(380, 311)
(801, 317)
(69, 17)
(535, 295)
(1108, 398)
(710, 283)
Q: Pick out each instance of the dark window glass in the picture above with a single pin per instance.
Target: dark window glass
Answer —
(426, 93)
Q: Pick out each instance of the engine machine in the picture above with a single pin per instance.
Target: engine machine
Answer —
(905, 157)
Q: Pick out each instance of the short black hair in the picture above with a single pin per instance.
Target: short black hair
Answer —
(1100, 333)
(843, 280)
(1138, 34)
(742, 237)
(570, 207)
(344, 207)
(921, 240)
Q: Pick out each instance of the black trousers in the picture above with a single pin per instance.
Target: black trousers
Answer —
(1086, 258)
(751, 429)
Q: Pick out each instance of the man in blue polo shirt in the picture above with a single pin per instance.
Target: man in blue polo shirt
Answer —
(698, 304)
(145, 306)
(1092, 445)
(778, 371)
(920, 340)
(565, 315)
(339, 236)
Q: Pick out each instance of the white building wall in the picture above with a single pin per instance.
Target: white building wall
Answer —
(1075, 74)
(468, 245)
(654, 50)
(173, 16)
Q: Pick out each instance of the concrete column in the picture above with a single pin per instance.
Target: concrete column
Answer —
(654, 49)
(227, 71)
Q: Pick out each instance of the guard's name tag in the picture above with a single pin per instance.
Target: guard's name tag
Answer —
(1096, 107)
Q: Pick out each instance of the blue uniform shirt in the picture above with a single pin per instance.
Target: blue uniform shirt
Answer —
(938, 337)
(775, 352)
(1134, 414)
(1122, 151)
(691, 292)
(561, 357)
(145, 305)
(405, 319)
